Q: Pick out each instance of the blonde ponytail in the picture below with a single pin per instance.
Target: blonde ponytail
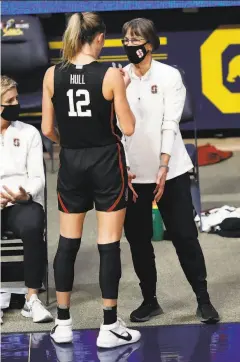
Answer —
(81, 29)
(71, 38)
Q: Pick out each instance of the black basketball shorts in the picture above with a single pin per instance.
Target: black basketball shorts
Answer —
(92, 176)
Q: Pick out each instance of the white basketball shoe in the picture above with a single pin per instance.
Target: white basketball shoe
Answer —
(116, 334)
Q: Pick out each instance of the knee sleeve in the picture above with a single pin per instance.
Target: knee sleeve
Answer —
(110, 269)
(64, 263)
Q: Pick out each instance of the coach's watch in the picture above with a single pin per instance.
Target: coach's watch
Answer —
(164, 166)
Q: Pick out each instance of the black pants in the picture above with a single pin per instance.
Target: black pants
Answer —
(176, 210)
(27, 223)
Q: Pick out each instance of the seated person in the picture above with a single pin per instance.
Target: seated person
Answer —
(22, 193)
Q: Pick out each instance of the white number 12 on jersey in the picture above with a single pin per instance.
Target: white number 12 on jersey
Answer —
(79, 104)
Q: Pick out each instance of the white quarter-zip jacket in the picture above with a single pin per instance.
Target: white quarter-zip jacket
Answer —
(21, 160)
(157, 100)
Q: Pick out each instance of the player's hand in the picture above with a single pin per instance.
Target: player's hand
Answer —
(131, 177)
(13, 197)
(160, 183)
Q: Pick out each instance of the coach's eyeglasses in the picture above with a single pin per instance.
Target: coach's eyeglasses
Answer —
(133, 41)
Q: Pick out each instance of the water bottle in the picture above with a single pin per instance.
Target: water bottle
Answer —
(158, 228)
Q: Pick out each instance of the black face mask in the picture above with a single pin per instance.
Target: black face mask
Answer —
(11, 112)
(136, 53)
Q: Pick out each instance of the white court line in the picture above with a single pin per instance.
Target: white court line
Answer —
(29, 349)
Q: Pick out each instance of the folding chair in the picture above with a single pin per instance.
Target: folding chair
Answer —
(192, 149)
(25, 58)
(12, 253)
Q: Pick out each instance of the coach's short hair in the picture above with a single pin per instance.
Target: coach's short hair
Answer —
(145, 28)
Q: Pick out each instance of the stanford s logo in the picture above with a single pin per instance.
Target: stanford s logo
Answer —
(139, 53)
(154, 89)
(220, 62)
(16, 142)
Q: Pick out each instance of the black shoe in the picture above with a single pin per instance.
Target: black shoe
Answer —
(207, 313)
(146, 311)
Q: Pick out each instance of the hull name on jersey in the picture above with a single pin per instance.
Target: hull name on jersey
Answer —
(77, 79)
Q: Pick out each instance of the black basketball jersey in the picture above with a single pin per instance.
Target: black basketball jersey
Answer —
(84, 117)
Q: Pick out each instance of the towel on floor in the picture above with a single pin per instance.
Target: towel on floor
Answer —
(209, 155)
(223, 221)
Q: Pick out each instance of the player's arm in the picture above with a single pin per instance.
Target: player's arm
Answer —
(48, 127)
(125, 116)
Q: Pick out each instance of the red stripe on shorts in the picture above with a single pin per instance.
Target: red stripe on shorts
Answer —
(62, 204)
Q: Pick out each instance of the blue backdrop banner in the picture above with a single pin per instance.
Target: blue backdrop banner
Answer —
(40, 7)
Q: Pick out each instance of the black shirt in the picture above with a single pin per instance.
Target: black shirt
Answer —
(84, 117)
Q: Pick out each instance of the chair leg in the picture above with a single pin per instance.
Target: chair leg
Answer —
(46, 277)
(48, 144)
(47, 286)
(51, 153)
(46, 237)
(52, 164)
(196, 198)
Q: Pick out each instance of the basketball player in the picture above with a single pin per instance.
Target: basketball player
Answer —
(83, 94)
(159, 165)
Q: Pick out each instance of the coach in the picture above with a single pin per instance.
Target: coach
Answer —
(158, 167)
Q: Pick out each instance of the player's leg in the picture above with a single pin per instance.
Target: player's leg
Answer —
(71, 226)
(73, 203)
(109, 234)
(113, 331)
(110, 195)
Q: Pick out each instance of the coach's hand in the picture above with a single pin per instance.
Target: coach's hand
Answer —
(13, 197)
(126, 77)
(131, 177)
(160, 183)
(3, 200)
